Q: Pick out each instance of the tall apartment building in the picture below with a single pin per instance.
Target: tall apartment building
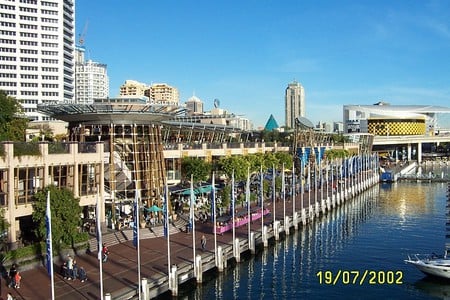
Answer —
(91, 79)
(133, 88)
(294, 103)
(37, 52)
(164, 94)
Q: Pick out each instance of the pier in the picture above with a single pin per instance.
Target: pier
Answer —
(120, 278)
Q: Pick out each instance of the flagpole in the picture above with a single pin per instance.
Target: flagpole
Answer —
(213, 184)
(283, 187)
(192, 219)
(136, 224)
(247, 199)
(262, 200)
(100, 243)
(232, 213)
(273, 195)
(166, 221)
(50, 246)
(293, 190)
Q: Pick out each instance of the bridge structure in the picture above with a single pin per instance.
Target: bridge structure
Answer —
(408, 147)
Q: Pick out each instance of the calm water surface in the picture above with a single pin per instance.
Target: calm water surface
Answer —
(373, 232)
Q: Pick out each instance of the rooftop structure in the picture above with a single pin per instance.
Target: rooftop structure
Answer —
(37, 56)
(383, 119)
(163, 94)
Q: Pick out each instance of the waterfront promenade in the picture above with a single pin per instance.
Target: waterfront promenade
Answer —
(120, 275)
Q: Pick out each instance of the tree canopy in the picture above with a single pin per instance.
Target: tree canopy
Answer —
(65, 215)
(197, 167)
(12, 122)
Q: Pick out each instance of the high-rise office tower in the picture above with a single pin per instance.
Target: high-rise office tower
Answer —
(91, 79)
(37, 52)
(294, 103)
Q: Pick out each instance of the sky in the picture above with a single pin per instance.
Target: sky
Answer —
(246, 52)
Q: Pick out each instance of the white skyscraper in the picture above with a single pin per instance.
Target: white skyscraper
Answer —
(91, 79)
(294, 103)
(37, 52)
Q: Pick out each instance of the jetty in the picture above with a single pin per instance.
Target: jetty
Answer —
(187, 261)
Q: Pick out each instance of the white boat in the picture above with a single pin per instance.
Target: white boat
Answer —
(434, 265)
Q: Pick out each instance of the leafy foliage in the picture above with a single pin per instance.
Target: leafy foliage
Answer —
(4, 226)
(65, 215)
(12, 122)
(336, 153)
(197, 167)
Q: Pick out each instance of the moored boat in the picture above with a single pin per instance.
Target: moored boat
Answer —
(433, 265)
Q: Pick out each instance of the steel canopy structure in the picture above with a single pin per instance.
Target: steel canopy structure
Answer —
(131, 132)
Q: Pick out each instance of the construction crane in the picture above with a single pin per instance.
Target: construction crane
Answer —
(82, 35)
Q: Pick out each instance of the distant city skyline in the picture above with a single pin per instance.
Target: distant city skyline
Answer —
(245, 53)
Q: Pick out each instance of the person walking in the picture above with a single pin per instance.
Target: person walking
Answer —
(17, 279)
(12, 276)
(105, 253)
(203, 242)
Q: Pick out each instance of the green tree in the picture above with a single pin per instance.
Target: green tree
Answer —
(12, 122)
(336, 153)
(237, 163)
(197, 167)
(65, 215)
(4, 226)
(284, 158)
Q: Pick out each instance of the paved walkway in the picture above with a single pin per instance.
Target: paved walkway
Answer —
(120, 272)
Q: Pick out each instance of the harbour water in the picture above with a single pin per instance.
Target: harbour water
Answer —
(371, 234)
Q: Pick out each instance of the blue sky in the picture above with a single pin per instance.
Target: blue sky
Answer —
(245, 52)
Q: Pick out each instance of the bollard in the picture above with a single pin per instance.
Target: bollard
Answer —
(264, 236)
(144, 287)
(304, 216)
(286, 225)
(220, 258)
(251, 243)
(276, 230)
(173, 280)
(237, 250)
(295, 220)
(107, 296)
(198, 269)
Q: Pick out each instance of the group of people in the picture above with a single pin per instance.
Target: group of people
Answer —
(71, 271)
(14, 277)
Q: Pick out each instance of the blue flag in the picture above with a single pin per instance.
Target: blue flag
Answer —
(48, 224)
(136, 220)
(166, 213)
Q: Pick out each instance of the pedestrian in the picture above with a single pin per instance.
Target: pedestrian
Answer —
(12, 275)
(105, 253)
(203, 242)
(17, 279)
(69, 264)
(82, 274)
(9, 297)
(75, 269)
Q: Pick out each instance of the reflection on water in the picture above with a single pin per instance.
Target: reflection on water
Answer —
(407, 198)
(374, 231)
(435, 287)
